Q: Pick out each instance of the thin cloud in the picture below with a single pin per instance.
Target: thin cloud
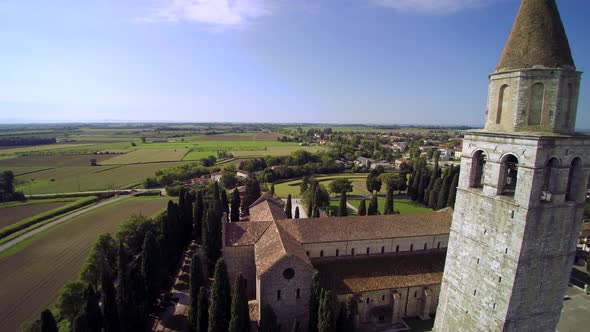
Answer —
(212, 12)
(432, 6)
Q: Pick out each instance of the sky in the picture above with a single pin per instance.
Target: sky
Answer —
(423, 62)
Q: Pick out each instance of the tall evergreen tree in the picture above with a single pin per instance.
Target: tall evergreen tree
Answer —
(289, 207)
(109, 305)
(188, 216)
(434, 193)
(296, 216)
(416, 184)
(202, 319)
(48, 323)
(251, 193)
(240, 316)
(220, 307)
(224, 201)
(453, 190)
(389, 202)
(212, 236)
(196, 281)
(235, 206)
(198, 214)
(350, 310)
(341, 318)
(443, 194)
(424, 179)
(125, 305)
(268, 320)
(272, 189)
(314, 302)
(316, 211)
(326, 312)
(343, 208)
(93, 316)
(362, 208)
(373, 206)
(150, 266)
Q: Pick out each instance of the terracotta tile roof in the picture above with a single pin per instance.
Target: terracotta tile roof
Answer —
(244, 233)
(334, 229)
(274, 245)
(266, 208)
(253, 310)
(362, 274)
(585, 230)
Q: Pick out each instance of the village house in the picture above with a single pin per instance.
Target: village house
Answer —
(363, 161)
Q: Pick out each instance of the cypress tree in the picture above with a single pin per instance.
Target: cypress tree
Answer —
(235, 206)
(443, 194)
(109, 305)
(362, 208)
(296, 216)
(325, 312)
(195, 284)
(224, 201)
(220, 308)
(48, 323)
(268, 320)
(424, 179)
(93, 316)
(416, 184)
(350, 309)
(453, 191)
(150, 266)
(373, 206)
(202, 319)
(434, 192)
(251, 194)
(342, 208)
(198, 214)
(272, 189)
(125, 303)
(289, 207)
(240, 316)
(341, 318)
(389, 202)
(212, 236)
(316, 211)
(314, 302)
(188, 216)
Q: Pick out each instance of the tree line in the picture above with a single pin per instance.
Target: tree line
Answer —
(433, 187)
(18, 141)
(7, 190)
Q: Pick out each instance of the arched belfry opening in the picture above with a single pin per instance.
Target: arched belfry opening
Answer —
(509, 175)
(575, 182)
(551, 176)
(478, 169)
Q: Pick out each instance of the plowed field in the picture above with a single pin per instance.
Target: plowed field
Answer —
(31, 278)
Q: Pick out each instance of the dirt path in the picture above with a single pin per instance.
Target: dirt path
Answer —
(175, 316)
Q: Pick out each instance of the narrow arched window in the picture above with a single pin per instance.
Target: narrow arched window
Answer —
(536, 104)
(368, 250)
(575, 181)
(509, 171)
(321, 253)
(503, 102)
(425, 246)
(478, 169)
(337, 252)
(397, 248)
(382, 250)
(551, 178)
(298, 293)
(352, 252)
(438, 245)
(411, 247)
(278, 295)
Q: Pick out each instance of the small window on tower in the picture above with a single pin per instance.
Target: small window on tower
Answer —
(478, 164)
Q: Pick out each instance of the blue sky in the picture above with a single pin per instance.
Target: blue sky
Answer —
(336, 61)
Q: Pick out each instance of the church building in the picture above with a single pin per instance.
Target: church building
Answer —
(392, 265)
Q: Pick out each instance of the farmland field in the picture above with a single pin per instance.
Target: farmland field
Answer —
(14, 150)
(32, 275)
(52, 161)
(87, 178)
(15, 213)
(147, 156)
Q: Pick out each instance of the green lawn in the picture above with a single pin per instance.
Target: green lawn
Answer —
(404, 206)
(359, 186)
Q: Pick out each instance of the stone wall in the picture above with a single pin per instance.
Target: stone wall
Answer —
(241, 259)
(509, 258)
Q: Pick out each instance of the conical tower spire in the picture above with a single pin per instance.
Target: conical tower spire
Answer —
(537, 39)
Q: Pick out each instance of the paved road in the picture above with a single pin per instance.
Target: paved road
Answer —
(65, 218)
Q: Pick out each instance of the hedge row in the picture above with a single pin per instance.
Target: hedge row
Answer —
(6, 231)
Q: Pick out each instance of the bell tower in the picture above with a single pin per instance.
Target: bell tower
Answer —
(521, 192)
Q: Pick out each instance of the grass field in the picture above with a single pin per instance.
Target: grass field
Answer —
(359, 187)
(18, 212)
(52, 161)
(147, 156)
(275, 151)
(33, 273)
(13, 150)
(87, 178)
(404, 206)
